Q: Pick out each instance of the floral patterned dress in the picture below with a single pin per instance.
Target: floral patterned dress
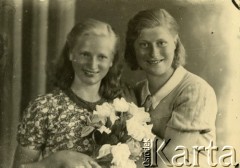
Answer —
(54, 121)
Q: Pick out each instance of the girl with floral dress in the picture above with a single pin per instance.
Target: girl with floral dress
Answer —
(87, 75)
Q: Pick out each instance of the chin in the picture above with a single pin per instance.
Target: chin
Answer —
(91, 82)
(155, 71)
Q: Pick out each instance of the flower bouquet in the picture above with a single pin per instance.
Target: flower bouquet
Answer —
(118, 128)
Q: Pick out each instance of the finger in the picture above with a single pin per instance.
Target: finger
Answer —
(94, 164)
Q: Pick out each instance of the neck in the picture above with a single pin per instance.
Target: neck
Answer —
(86, 92)
(156, 82)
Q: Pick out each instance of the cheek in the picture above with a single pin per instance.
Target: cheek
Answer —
(168, 52)
(140, 54)
(138, 51)
(106, 65)
(76, 67)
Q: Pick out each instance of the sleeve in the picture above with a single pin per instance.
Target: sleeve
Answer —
(32, 130)
(194, 109)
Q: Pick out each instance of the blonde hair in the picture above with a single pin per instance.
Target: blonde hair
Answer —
(64, 73)
(88, 28)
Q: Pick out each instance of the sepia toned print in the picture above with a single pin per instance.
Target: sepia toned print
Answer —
(33, 33)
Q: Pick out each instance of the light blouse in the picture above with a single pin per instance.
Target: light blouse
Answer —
(185, 103)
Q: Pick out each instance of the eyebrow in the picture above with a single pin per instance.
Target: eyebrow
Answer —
(162, 39)
(141, 40)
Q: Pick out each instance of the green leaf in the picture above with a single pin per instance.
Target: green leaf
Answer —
(86, 131)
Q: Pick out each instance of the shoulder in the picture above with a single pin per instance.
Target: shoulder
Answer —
(196, 93)
(42, 103)
(195, 106)
(194, 84)
(56, 94)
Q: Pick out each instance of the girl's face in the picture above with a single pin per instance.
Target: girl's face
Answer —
(91, 57)
(154, 49)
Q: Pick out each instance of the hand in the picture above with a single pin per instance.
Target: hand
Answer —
(65, 159)
(73, 159)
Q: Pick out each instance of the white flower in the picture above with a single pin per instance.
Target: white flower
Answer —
(133, 108)
(51, 116)
(71, 124)
(139, 114)
(113, 118)
(138, 130)
(148, 131)
(134, 129)
(82, 117)
(104, 129)
(63, 116)
(96, 118)
(43, 101)
(71, 107)
(37, 123)
(120, 153)
(134, 147)
(104, 151)
(128, 163)
(72, 134)
(120, 105)
(104, 110)
(45, 110)
(131, 164)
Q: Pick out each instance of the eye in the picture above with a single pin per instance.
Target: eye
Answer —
(143, 44)
(162, 43)
(84, 54)
(102, 57)
(78, 57)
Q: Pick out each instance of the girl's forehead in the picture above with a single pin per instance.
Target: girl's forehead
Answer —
(95, 42)
(95, 32)
(96, 37)
(99, 30)
(163, 30)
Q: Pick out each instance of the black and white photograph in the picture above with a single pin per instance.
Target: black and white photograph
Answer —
(119, 83)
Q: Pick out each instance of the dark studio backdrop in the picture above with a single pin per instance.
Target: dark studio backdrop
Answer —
(34, 32)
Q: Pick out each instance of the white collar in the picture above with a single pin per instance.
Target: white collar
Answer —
(165, 90)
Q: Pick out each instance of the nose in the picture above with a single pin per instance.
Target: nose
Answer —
(155, 51)
(93, 62)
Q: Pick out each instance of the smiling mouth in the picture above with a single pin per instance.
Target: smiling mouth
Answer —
(154, 61)
(89, 72)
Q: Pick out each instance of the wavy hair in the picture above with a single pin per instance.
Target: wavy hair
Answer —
(149, 19)
(64, 72)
